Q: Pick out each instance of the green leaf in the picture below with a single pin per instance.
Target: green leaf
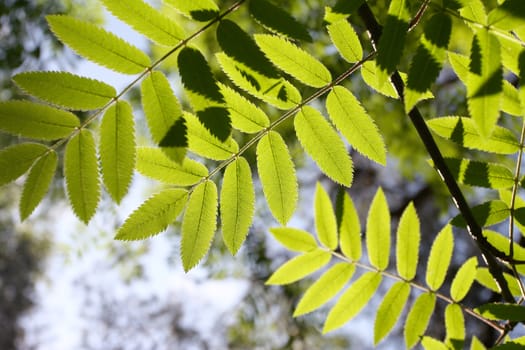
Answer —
(294, 239)
(154, 215)
(486, 214)
(294, 60)
(473, 11)
(439, 259)
(199, 224)
(510, 49)
(244, 115)
(36, 121)
(277, 174)
(117, 149)
(325, 288)
(349, 226)
(460, 65)
(324, 145)
(341, 10)
(201, 142)
(485, 82)
(164, 115)
(277, 20)
(473, 173)
(325, 222)
(463, 280)
(430, 343)
(508, 15)
(81, 173)
(485, 278)
(146, 20)
(237, 203)
(66, 89)
(300, 266)
(98, 45)
(476, 344)
(418, 318)
(276, 91)
(378, 231)
(455, 326)
(37, 183)
(355, 124)
(370, 72)
(510, 102)
(390, 309)
(353, 300)
(408, 238)
(429, 57)
(498, 311)
(502, 243)
(15, 160)
(154, 163)
(462, 131)
(199, 10)
(392, 41)
(346, 40)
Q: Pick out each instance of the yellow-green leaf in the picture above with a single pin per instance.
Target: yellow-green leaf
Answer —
(355, 124)
(237, 203)
(300, 266)
(66, 89)
(37, 183)
(390, 309)
(324, 145)
(199, 10)
(277, 174)
(407, 248)
(500, 311)
(455, 326)
(36, 121)
(199, 224)
(378, 231)
(439, 259)
(154, 215)
(463, 280)
(481, 174)
(430, 343)
(294, 239)
(349, 227)
(485, 278)
(17, 159)
(81, 173)
(325, 288)
(418, 318)
(346, 40)
(325, 222)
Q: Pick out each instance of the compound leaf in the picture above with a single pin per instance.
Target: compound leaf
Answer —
(294, 239)
(300, 266)
(378, 231)
(325, 222)
(390, 309)
(15, 160)
(439, 259)
(408, 237)
(418, 318)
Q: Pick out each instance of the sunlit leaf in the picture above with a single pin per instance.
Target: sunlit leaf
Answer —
(474, 10)
(324, 145)
(294, 239)
(81, 173)
(199, 224)
(37, 183)
(390, 309)
(455, 326)
(430, 343)
(502, 243)
(355, 124)
(66, 89)
(407, 249)
(15, 160)
(486, 214)
(346, 40)
(199, 10)
(378, 231)
(481, 174)
(508, 15)
(36, 121)
(237, 203)
(353, 300)
(154, 215)
(499, 311)
(463, 280)
(325, 288)
(485, 278)
(98, 45)
(349, 226)
(370, 72)
(439, 259)
(510, 102)
(476, 344)
(325, 223)
(277, 174)
(418, 318)
(300, 267)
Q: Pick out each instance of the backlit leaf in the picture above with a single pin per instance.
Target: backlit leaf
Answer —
(117, 149)
(346, 40)
(508, 15)
(237, 203)
(154, 215)
(81, 173)
(418, 318)
(154, 163)
(325, 288)
(463, 280)
(390, 309)
(473, 173)
(430, 343)
(66, 89)
(325, 223)
(486, 214)
(98, 45)
(463, 131)
(36, 121)
(199, 224)
(355, 124)
(277, 174)
(370, 72)
(146, 20)
(353, 300)
(324, 145)
(510, 102)
(294, 239)
(37, 183)
(502, 243)
(455, 326)
(294, 60)
(476, 344)
(15, 160)
(378, 231)
(299, 267)
(408, 237)
(500, 311)
(485, 278)
(349, 227)
(439, 259)
(474, 10)
(200, 10)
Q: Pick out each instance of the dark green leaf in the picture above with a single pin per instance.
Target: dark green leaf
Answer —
(497, 311)
(473, 173)
(486, 214)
